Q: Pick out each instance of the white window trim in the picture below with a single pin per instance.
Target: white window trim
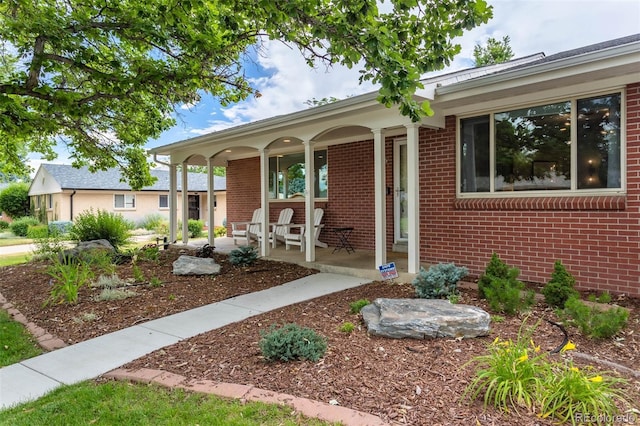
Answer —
(573, 192)
(125, 196)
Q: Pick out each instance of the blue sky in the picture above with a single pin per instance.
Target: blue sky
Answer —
(286, 82)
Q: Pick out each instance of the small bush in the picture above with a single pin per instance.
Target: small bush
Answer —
(151, 221)
(243, 256)
(68, 278)
(114, 294)
(155, 282)
(292, 342)
(219, 231)
(49, 246)
(195, 228)
(439, 281)
(356, 307)
(347, 327)
(109, 281)
(90, 225)
(496, 268)
(560, 288)
(20, 227)
(593, 321)
(38, 231)
(4, 225)
(60, 227)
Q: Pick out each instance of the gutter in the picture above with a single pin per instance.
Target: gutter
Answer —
(71, 205)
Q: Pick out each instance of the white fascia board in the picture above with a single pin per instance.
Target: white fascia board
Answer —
(621, 56)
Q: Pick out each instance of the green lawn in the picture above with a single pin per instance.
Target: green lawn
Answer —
(14, 259)
(16, 344)
(124, 403)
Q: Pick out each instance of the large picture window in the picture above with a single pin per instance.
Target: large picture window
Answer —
(538, 149)
(124, 201)
(287, 176)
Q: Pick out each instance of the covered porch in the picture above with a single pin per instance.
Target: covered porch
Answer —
(324, 134)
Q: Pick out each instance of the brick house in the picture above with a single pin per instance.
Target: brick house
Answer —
(537, 159)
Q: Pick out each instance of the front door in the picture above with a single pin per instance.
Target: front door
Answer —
(400, 191)
(194, 207)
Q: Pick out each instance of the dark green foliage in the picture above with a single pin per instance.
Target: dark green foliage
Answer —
(243, 256)
(90, 225)
(560, 288)
(20, 227)
(4, 224)
(439, 281)
(195, 228)
(14, 200)
(60, 227)
(496, 268)
(501, 287)
(38, 231)
(593, 321)
(292, 342)
(356, 307)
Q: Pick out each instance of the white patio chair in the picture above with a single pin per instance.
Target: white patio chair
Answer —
(280, 228)
(298, 239)
(247, 230)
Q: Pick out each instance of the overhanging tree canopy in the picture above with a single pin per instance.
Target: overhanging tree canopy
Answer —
(104, 76)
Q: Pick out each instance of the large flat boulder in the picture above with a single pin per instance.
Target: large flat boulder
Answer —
(424, 318)
(192, 265)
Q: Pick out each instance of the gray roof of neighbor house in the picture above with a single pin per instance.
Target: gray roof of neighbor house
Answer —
(69, 177)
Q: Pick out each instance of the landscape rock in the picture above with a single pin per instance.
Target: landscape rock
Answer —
(192, 265)
(83, 247)
(424, 318)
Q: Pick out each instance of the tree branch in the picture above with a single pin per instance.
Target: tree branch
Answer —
(36, 63)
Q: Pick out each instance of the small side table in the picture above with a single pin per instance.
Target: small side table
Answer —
(343, 239)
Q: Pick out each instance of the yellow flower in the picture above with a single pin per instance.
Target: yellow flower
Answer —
(596, 379)
(568, 347)
(576, 369)
(523, 358)
(536, 349)
(495, 342)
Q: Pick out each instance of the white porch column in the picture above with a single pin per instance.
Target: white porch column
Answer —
(380, 191)
(185, 203)
(264, 200)
(211, 198)
(413, 198)
(309, 201)
(173, 203)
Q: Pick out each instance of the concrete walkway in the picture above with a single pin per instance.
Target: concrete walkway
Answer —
(32, 378)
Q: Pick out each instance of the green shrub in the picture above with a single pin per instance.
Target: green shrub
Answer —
(49, 246)
(243, 256)
(439, 281)
(151, 221)
(219, 231)
(38, 231)
(68, 278)
(508, 295)
(292, 342)
(347, 327)
(356, 307)
(20, 227)
(4, 224)
(114, 294)
(90, 225)
(496, 268)
(60, 227)
(195, 228)
(14, 200)
(560, 288)
(593, 321)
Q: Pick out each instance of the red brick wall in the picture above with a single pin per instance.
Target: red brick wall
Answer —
(596, 238)
(243, 189)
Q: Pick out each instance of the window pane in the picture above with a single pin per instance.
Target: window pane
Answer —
(533, 148)
(163, 201)
(118, 201)
(599, 142)
(474, 155)
(287, 175)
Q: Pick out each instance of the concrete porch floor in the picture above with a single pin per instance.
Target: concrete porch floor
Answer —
(360, 263)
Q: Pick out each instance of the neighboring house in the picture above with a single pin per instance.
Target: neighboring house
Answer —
(64, 191)
(537, 160)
